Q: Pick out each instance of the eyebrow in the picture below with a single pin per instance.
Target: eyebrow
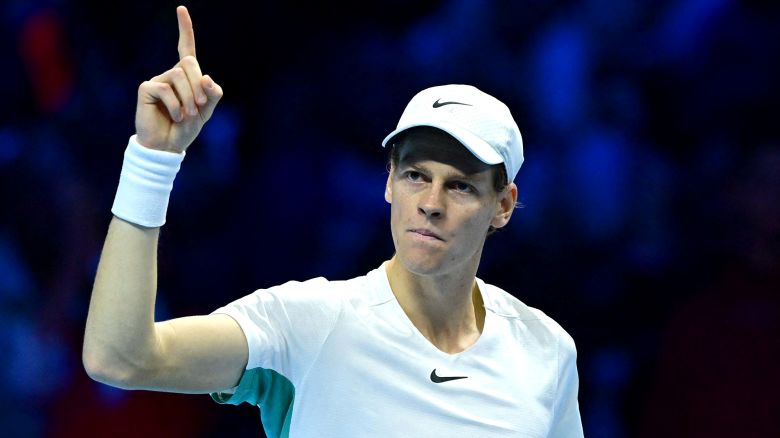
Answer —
(450, 175)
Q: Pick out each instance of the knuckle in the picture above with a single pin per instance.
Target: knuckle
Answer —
(189, 59)
(163, 87)
(149, 86)
(177, 72)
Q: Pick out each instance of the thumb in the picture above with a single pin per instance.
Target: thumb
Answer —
(213, 93)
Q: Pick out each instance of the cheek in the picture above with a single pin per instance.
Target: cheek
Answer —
(396, 215)
(479, 222)
(400, 204)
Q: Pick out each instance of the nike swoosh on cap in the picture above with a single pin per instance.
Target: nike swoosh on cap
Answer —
(438, 379)
(438, 104)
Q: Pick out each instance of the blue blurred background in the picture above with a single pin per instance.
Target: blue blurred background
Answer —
(651, 227)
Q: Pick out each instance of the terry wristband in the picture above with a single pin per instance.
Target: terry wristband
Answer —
(145, 184)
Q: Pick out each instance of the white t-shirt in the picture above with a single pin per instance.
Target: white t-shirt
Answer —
(342, 359)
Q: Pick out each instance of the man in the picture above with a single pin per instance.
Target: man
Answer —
(417, 347)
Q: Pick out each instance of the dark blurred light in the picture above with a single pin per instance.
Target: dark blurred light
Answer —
(10, 145)
(560, 65)
(15, 277)
(220, 136)
(44, 51)
(598, 183)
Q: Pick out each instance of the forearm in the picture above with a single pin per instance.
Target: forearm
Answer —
(120, 337)
(122, 344)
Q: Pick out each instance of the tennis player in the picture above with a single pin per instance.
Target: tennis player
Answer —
(418, 347)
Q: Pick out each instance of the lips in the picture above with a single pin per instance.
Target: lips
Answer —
(426, 233)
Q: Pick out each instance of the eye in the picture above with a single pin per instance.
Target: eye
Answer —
(413, 176)
(462, 187)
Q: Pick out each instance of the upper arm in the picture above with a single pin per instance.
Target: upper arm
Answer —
(568, 422)
(197, 354)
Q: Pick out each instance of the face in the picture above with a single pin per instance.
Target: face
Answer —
(442, 204)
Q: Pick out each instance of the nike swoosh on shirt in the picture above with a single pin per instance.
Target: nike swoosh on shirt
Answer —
(438, 379)
(438, 104)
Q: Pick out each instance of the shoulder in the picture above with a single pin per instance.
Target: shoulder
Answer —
(524, 317)
(367, 289)
(364, 291)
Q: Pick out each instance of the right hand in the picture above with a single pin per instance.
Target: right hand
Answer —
(173, 107)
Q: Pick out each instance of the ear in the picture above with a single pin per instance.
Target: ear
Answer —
(389, 185)
(506, 205)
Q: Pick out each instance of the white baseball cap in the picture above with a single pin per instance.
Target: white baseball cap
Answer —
(482, 123)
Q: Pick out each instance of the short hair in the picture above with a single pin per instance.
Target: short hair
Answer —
(500, 179)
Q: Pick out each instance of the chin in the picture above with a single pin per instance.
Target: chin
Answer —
(424, 264)
(423, 269)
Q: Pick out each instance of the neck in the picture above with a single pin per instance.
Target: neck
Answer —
(447, 309)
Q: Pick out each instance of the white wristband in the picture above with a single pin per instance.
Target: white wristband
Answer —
(145, 184)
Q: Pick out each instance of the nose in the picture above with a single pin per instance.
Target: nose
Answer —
(432, 203)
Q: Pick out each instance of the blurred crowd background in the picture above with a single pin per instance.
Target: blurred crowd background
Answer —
(651, 188)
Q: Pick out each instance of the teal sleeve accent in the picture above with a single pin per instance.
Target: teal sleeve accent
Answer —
(273, 393)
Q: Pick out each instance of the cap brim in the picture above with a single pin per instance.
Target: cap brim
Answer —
(480, 148)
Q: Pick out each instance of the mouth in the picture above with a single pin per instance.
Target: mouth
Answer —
(425, 234)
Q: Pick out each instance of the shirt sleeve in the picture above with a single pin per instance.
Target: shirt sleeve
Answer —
(285, 328)
(566, 415)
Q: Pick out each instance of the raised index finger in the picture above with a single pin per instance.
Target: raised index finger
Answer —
(186, 34)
